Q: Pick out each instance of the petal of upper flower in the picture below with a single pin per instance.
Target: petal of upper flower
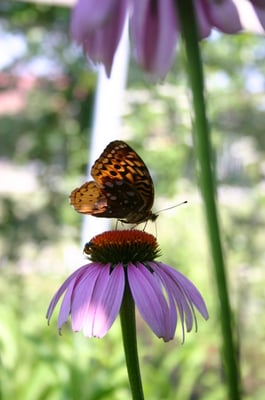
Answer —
(260, 14)
(224, 16)
(88, 15)
(259, 3)
(96, 302)
(101, 43)
(252, 14)
(204, 25)
(148, 295)
(154, 32)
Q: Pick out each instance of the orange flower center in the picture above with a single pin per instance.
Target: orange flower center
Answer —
(122, 246)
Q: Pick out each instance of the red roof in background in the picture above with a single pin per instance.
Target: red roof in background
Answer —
(13, 92)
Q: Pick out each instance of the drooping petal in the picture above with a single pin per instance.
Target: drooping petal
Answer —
(260, 14)
(81, 297)
(88, 15)
(154, 33)
(190, 291)
(96, 304)
(148, 295)
(181, 302)
(93, 297)
(66, 305)
(171, 321)
(203, 24)
(111, 300)
(252, 15)
(69, 282)
(100, 44)
(224, 16)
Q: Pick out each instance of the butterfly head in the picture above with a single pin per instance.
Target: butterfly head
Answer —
(138, 218)
(88, 248)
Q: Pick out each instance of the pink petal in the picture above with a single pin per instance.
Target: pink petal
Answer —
(171, 321)
(96, 304)
(202, 17)
(154, 32)
(81, 296)
(183, 306)
(224, 16)
(179, 299)
(101, 44)
(188, 288)
(259, 3)
(148, 296)
(252, 15)
(88, 15)
(66, 305)
(260, 13)
(68, 282)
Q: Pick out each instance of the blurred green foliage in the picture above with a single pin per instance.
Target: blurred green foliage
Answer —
(48, 139)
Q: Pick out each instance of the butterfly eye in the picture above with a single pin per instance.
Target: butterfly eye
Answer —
(88, 247)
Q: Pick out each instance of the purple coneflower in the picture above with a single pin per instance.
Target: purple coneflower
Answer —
(123, 262)
(155, 27)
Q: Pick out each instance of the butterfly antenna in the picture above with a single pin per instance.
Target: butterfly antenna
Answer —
(176, 205)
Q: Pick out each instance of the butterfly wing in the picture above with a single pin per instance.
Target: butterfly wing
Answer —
(125, 181)
(123, 187)
(88, 199)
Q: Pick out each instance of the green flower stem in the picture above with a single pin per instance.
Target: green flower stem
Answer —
(203, 153)
(128, 327)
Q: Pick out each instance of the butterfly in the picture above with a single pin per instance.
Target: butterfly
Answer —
(122, 187)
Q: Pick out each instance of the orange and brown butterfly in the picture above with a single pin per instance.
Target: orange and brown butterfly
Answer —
(122, 187)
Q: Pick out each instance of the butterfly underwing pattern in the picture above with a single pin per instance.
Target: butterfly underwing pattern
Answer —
(122, 187)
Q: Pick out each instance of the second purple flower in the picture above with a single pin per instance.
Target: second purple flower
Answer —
(93, 294)
(154, 26)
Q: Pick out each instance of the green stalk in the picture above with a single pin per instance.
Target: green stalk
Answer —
(128, 327)
(206, 179)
